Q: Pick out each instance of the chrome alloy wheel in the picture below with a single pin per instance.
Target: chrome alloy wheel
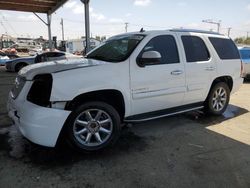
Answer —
(219, 99)
(92, 127)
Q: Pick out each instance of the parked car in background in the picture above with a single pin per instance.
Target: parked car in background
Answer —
(6, 57)
(16, 64)
(245, 57)
(133, 77)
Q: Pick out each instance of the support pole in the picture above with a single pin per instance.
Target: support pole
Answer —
(87, 25)
(62, 29)
(49, 31)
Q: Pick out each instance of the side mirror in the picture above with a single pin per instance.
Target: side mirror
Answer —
(149, 58)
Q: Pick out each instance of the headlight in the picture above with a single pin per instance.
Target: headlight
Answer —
(18, 86)
(40, 90)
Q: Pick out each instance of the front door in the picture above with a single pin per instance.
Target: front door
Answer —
(159, 85)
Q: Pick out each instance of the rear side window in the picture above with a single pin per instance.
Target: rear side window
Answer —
(225, 48)
(166, 46)
(195, 49)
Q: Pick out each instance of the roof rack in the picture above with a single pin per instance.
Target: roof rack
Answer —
(195, 31)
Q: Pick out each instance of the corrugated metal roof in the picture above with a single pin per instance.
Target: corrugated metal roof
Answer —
(38, 6)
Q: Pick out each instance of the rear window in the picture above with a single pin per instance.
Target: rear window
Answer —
(195, 49)
(225, 48)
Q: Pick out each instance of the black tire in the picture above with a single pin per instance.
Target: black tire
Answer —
(211, 105)
(77, 141)
(19, 66)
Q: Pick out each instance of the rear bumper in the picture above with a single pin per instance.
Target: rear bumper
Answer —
(246, 70)
(236, 84)
(38, 124)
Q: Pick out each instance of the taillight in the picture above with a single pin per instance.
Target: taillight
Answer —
(241, 68)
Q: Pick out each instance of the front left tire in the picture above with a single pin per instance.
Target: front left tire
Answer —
(93, 126)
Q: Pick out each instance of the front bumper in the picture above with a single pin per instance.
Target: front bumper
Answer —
(38, 124)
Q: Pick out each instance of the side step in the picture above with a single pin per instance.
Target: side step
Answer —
(163, 113)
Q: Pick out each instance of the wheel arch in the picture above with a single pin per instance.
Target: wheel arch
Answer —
(111, 96)
(226, 79)
(18, 64)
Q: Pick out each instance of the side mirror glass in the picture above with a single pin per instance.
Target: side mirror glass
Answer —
(149, 58)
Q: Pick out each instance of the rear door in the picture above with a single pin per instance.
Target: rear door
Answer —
(158, 85)
(200, 67)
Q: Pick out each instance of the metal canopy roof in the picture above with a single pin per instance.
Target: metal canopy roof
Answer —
(38, 6)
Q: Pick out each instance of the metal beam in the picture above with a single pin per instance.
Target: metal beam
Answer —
(57, 6)
(49, 31)
(87, 25)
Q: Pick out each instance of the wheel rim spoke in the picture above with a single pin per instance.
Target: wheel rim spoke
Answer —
(84, 130)
(88, 116)
(104, 130)
(89, 135)
(223, 99)
(83, 123)
(98, 115)
(103, 122)
(98, 138)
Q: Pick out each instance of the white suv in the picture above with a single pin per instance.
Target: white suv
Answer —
(132, 77)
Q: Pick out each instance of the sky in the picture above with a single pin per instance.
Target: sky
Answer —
(108, 17)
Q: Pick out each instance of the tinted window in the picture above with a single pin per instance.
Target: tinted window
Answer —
(54, 54)
(116, 49)
(225, 48)
(195, 49)
(166, 46)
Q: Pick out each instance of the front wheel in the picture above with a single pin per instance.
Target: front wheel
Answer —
(93, 126)
(218, 99)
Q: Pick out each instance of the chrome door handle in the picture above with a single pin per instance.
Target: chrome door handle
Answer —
(176, 72)
(209, 68)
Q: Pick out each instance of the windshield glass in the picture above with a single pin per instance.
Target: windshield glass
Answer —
(116, 48)
(245, 54)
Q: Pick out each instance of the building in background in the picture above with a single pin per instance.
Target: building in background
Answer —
(78, 45)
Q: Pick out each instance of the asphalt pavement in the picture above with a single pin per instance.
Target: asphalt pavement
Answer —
(188, 150)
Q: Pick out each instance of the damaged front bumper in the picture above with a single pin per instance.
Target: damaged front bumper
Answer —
(38, 124)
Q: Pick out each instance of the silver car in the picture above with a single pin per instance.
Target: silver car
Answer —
(16, 64)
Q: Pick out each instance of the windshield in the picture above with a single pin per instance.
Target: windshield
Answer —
(245, 54)
(116, 48)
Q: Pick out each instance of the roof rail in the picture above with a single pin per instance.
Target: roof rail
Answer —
(195, 31)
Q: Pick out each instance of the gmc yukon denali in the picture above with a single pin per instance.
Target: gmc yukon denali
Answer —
(131, 77)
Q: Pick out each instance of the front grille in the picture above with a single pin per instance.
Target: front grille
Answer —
(40, 90)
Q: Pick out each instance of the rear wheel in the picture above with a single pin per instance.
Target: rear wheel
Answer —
(93, 126)
(218, 99)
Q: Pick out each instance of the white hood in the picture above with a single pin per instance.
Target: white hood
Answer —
(56, 66)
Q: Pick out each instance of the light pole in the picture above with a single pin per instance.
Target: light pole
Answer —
(228, 31)
(126, 27)
(213, 22)
(87, 25)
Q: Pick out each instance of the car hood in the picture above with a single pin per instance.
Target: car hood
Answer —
(57, 66)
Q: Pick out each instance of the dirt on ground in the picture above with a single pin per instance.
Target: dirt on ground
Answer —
(188, 150)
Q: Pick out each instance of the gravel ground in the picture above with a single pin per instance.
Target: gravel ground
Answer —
(188, 150)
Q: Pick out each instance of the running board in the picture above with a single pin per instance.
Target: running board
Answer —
(161, 114)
